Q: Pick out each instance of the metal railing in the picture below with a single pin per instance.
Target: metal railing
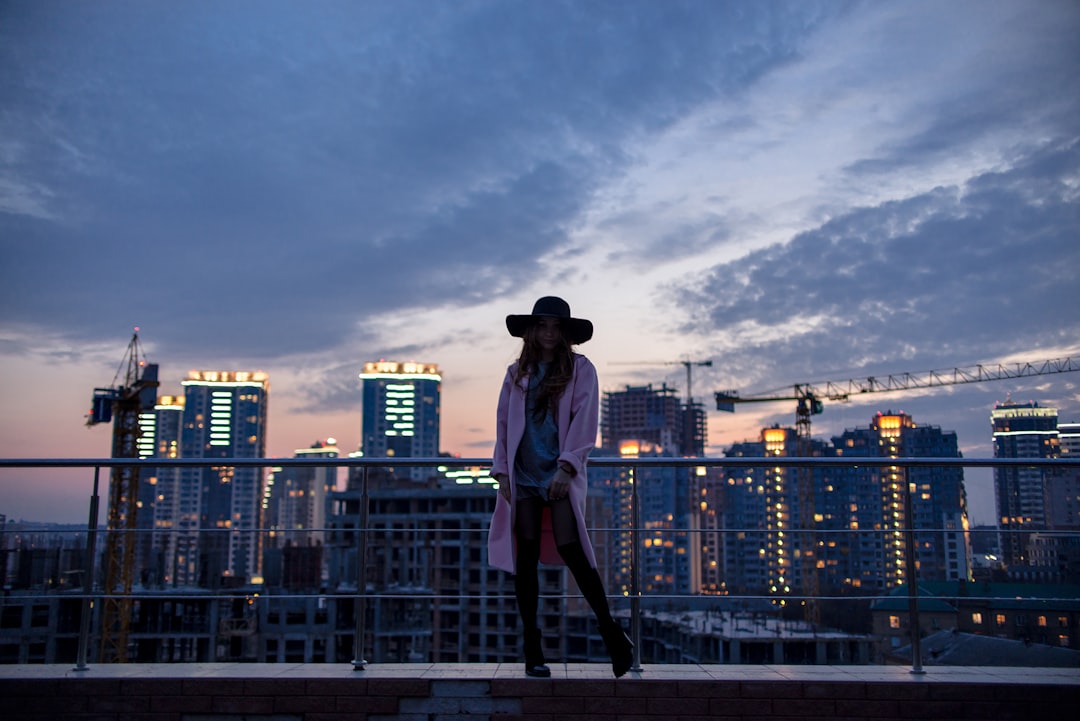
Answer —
(635, 531)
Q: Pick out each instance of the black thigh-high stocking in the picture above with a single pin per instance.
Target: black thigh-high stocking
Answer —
(568, 543)
(527, 528)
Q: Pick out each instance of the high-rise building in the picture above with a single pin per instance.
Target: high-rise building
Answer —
(401, 413)
(1037, 505)
(1021, 430)
(217, 510)
(855, 539)
(667, 553)
(158, 488)
(644, 421)
(711, 500)
(294, 505)
(763, 548)
(654, 416)
(872, 498)
(1063, 487)
(1069, 438)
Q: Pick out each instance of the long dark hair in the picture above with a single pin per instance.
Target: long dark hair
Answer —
(558, 375)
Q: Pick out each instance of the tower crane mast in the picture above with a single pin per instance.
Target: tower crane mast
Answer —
(121, 403)
(809, 399)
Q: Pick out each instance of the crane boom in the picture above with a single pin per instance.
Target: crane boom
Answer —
(844, 389)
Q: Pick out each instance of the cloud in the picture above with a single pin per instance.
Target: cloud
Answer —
(328, 390)
(221, 175)
(934, 279)
(1001, 82)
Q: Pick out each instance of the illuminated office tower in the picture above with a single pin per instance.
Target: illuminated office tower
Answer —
(217, 509)
(1021, 430)
(159, 438)
(400, 414)
(865, 507)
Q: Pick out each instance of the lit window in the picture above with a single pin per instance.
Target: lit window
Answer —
(976, 618)
(894, 622)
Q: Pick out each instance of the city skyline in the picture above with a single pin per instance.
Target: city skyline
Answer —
(981, 506)
(795, 191)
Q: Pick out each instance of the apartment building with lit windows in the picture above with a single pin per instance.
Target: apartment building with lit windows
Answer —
(160, 430)
(400, 414)
(873, 498)
(1022, 430)
(1063, 486)
(295, 498)
(1038, 509)
(854, 542)
(643, 421)
(217, 511)
(761, 511)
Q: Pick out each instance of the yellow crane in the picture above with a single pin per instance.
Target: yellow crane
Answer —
(810, 397)
(121, 404)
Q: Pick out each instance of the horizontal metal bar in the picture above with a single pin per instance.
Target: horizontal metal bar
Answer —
(347, 593)
(78, 529)
(605, 462)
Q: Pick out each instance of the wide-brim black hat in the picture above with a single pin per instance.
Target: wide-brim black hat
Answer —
(575, 330)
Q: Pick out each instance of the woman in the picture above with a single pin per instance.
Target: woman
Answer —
(547, 420)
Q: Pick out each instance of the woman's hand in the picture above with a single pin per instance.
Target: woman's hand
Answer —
(504, 486)
(560, 485)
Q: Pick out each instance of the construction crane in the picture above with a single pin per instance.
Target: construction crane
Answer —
(121, 403)
(810, 397)
(688, 430)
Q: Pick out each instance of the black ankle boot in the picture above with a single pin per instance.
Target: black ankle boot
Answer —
(619, 647)
(534, 655)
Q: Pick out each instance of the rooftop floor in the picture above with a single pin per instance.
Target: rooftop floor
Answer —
(429, 692)
(491, 671)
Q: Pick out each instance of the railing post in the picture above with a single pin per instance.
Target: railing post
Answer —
(911, 566)
(88, 580)
(635, 570)
(361, 575)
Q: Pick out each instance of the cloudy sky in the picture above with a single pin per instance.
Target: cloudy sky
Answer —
(799, 192)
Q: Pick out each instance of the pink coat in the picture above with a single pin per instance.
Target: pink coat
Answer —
(577, 414)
